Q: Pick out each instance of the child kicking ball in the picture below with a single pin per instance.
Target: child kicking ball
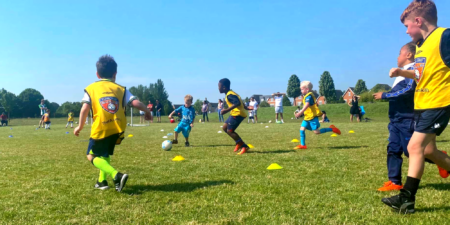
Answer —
(312, 113)
(187, 119)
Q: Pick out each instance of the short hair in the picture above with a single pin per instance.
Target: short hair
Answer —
(189, 97)
(307, 84)
(106, 66)
(423, 8)
(225, 82)
(324, 112)
(411, 47)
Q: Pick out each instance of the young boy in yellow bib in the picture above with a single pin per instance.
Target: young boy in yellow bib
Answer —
(70, 119)
(107, 100)
(431, 99)
(312, 113)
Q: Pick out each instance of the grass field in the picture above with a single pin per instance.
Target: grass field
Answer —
(47, 179)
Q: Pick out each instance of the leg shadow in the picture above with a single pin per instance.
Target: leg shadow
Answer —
(348, 147)
(440, 186)
(433, 209)
(271, 152)
(442, 141)
(210, 146)
(176, 187)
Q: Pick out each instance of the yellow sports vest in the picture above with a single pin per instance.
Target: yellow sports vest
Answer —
(70, 117)
(431, 74)
(108, 109)
(312, 111)
(238, 111)
(46, 117)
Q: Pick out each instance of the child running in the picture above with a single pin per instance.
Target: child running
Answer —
(70, 119)
(238, 113)
(431, 102)
(47, 119)
(187, 119)
(107, 101)
(311, 112)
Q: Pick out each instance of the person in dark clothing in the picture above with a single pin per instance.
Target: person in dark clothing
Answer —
(354, 110)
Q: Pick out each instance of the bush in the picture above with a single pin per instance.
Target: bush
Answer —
(366, 97)
(264, 104)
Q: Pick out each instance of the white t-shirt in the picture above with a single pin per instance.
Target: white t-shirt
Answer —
(254, 104)
(278, 100)
(130, 97)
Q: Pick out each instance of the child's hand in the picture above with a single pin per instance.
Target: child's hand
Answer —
(394, 72)
(77, 131)
(192, 125)
(170, 117)
(378, 95)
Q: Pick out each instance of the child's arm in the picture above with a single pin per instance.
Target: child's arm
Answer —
(303, 110)
(139, 105)
(397, 72)
(83, 115)
(171, 114)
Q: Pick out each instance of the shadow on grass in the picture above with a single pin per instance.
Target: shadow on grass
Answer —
(210, 146)
(440, 186)
(176, 187)
(271, 152)
(442, 141)
(433, 209)
(348, 147)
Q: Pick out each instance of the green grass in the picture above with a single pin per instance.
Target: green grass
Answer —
(47, 179)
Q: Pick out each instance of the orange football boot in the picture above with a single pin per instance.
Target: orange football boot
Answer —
(238, 146)
(335, 130)
(243, 150)
(442, 172)
(389, 186)
(300, 147)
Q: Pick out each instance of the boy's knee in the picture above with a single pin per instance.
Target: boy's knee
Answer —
(414, 148)
(90, 157)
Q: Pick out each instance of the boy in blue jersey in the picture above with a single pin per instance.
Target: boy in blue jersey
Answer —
(187, 119)
(401, 116)
(311, 112)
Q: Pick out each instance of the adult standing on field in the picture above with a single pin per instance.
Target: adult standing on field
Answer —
(219, 110)
(158, 108)
(205, 109)
(4, 119)
(43, 109)
(150, 108)
(278, 97)
(253, 103)
(354, 110)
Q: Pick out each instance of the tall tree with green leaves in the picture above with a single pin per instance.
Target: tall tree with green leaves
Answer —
(9, 101)
(286, 101)
(360, 87)
(198, 106)
(326, 87)
(293, 89)
(30, 100)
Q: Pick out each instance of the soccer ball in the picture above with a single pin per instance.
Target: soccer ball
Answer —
(200, 121)
(270, 121)
(172, 121)
(76, 122)
(279, 122)
(167, 145)
(128, 124)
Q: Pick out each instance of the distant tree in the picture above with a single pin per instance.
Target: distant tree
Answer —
(381, 88)
(341, 100)
(264, 104)
(360, 87)
(198, 106)
(293, 89)
(246, 100)
(9, 101)
(286, 101)
(30, 100)
(326, 87)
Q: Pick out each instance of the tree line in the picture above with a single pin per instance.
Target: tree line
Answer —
(25, 105)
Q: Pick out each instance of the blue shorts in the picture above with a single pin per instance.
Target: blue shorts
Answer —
(183, 128)
(233, 122)
(432, 121)
(104, 147)
(311, 124)
(158, 113)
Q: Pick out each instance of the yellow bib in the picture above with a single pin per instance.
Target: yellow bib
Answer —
(312, 111)
(238, 111)
(432, 75)
(108, 109)
(46, 117)
(70, 117)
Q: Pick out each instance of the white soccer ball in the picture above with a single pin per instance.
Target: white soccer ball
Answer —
(270, 121)
(76, 122)
(128, 124)
(167, 145)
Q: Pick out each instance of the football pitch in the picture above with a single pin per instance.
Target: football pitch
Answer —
(47, 179)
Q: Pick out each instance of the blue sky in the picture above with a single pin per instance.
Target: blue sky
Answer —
(52, 46)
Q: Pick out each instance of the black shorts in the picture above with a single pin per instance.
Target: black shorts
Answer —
(233, 122)
(104, 147)
(432, 121)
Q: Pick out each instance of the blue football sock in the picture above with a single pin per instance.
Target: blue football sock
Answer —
(324, 130)
(302, 137)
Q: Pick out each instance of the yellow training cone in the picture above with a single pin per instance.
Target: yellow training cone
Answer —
(334, 135)
(178, 158)
(351, 132)
(295, 141)
(274, 166)
(250, 146)
(130, 135)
